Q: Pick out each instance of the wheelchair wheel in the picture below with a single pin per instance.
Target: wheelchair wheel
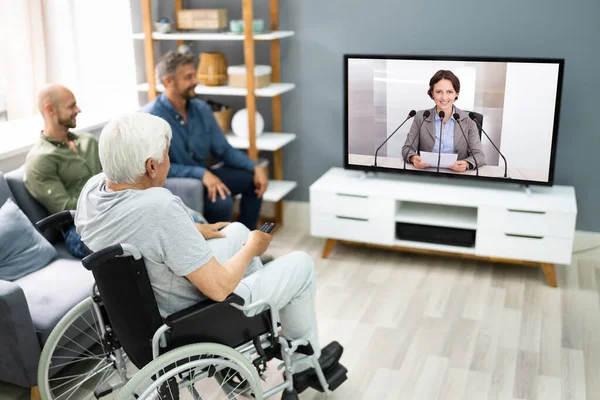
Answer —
(232, 382)
(74, 360)
(190, 372)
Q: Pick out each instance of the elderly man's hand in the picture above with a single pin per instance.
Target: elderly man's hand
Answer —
(260, 241)
(211, 231)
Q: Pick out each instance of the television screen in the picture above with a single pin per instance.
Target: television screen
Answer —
(499, 116)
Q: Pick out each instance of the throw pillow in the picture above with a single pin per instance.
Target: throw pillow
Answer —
(24, 249)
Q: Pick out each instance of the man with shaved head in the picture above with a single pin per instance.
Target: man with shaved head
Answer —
(61, 162)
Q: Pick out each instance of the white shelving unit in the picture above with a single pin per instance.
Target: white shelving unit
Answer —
(277, 190)
(225, 36)
(268, 141)
(274, 89)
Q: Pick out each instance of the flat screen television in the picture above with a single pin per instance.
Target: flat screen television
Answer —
(500, 119)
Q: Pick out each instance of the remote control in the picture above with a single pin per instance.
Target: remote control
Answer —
(267, 227)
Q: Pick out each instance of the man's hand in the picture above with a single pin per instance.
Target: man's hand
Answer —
(261, 181)
(459, 166)
(214, 186)
(416, 160)
(260, 241)
(211, 231)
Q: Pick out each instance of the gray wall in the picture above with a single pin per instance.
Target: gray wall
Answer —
(325, 30)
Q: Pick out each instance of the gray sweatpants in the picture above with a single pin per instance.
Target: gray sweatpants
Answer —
(288, 283)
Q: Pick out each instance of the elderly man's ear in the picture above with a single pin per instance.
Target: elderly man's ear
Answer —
(151, 168)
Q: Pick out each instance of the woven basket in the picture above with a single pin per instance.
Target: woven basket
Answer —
(212, 70)
(224, 119)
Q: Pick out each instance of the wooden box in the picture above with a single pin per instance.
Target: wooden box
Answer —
(202, 19)
(237, 76)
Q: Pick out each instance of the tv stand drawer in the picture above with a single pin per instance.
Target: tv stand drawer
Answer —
(525, 222)
(525, 247)
(344, 227)
(346, 203)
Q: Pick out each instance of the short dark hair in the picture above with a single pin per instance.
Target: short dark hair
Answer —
(444, 74)
(169, 63)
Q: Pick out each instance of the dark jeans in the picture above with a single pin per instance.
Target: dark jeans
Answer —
(74, 245)
(239, 181)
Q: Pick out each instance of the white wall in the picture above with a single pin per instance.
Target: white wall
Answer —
(528, 117)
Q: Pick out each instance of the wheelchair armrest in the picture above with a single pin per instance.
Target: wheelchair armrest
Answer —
(56, 220)
(218, 322)
(201, 307)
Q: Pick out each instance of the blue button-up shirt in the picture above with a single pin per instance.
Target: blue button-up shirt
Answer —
(447, 137)
(195, 140)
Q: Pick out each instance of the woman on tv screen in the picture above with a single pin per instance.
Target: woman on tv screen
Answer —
(427, 127)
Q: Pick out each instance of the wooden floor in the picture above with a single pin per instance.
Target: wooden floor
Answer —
(427, 328)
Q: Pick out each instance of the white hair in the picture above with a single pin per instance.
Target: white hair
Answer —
(127, 142)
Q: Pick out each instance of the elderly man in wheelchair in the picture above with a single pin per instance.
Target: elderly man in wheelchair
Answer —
(191, 304)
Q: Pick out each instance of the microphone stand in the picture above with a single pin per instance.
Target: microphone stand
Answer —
(425, 116)
(486, 135)
(389, 137)
(442, 115)
(456, 115)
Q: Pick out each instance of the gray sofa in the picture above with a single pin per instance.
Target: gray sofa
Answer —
(31, 306)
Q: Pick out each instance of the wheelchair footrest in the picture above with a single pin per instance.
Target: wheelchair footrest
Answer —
(103, 390)
(334, 377)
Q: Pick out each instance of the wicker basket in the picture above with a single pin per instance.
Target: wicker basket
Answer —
(224, 119)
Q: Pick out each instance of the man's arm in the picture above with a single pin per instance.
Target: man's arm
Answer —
(186, 171)
(44, 185)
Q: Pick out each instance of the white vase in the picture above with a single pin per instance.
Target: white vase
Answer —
(239, 123)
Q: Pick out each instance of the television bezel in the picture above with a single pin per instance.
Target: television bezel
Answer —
(368, 168)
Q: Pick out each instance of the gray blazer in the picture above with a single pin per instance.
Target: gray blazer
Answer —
(426, 137)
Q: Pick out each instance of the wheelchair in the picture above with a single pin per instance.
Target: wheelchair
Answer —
(211, 350)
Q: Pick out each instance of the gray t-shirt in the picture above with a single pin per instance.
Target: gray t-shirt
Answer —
(158, 224)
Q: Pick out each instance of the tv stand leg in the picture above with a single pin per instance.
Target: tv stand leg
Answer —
(550, 273)
(328, 247)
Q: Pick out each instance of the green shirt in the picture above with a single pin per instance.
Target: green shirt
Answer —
(55, 174)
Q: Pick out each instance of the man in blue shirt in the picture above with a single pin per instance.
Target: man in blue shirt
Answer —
(196, 136)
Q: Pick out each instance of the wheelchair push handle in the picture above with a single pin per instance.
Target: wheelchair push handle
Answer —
(107, 253)
(56, 220)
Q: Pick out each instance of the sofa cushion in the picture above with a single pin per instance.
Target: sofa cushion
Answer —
(24, 249)
(34, 210)
(52, 291)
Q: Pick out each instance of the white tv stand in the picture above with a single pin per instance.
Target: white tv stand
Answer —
(505, 223)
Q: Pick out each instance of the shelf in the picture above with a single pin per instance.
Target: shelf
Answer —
(268, 141)
(274, 89)
(277, 190)
(437, 215)
(434, 246)
(194, 36)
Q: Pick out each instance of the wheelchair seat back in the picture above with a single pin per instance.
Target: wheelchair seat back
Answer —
(128, 299)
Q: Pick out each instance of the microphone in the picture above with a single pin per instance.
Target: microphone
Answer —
(456, 117)
(426, 115)
(442, 115)
(472, 116)
(411, 114)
